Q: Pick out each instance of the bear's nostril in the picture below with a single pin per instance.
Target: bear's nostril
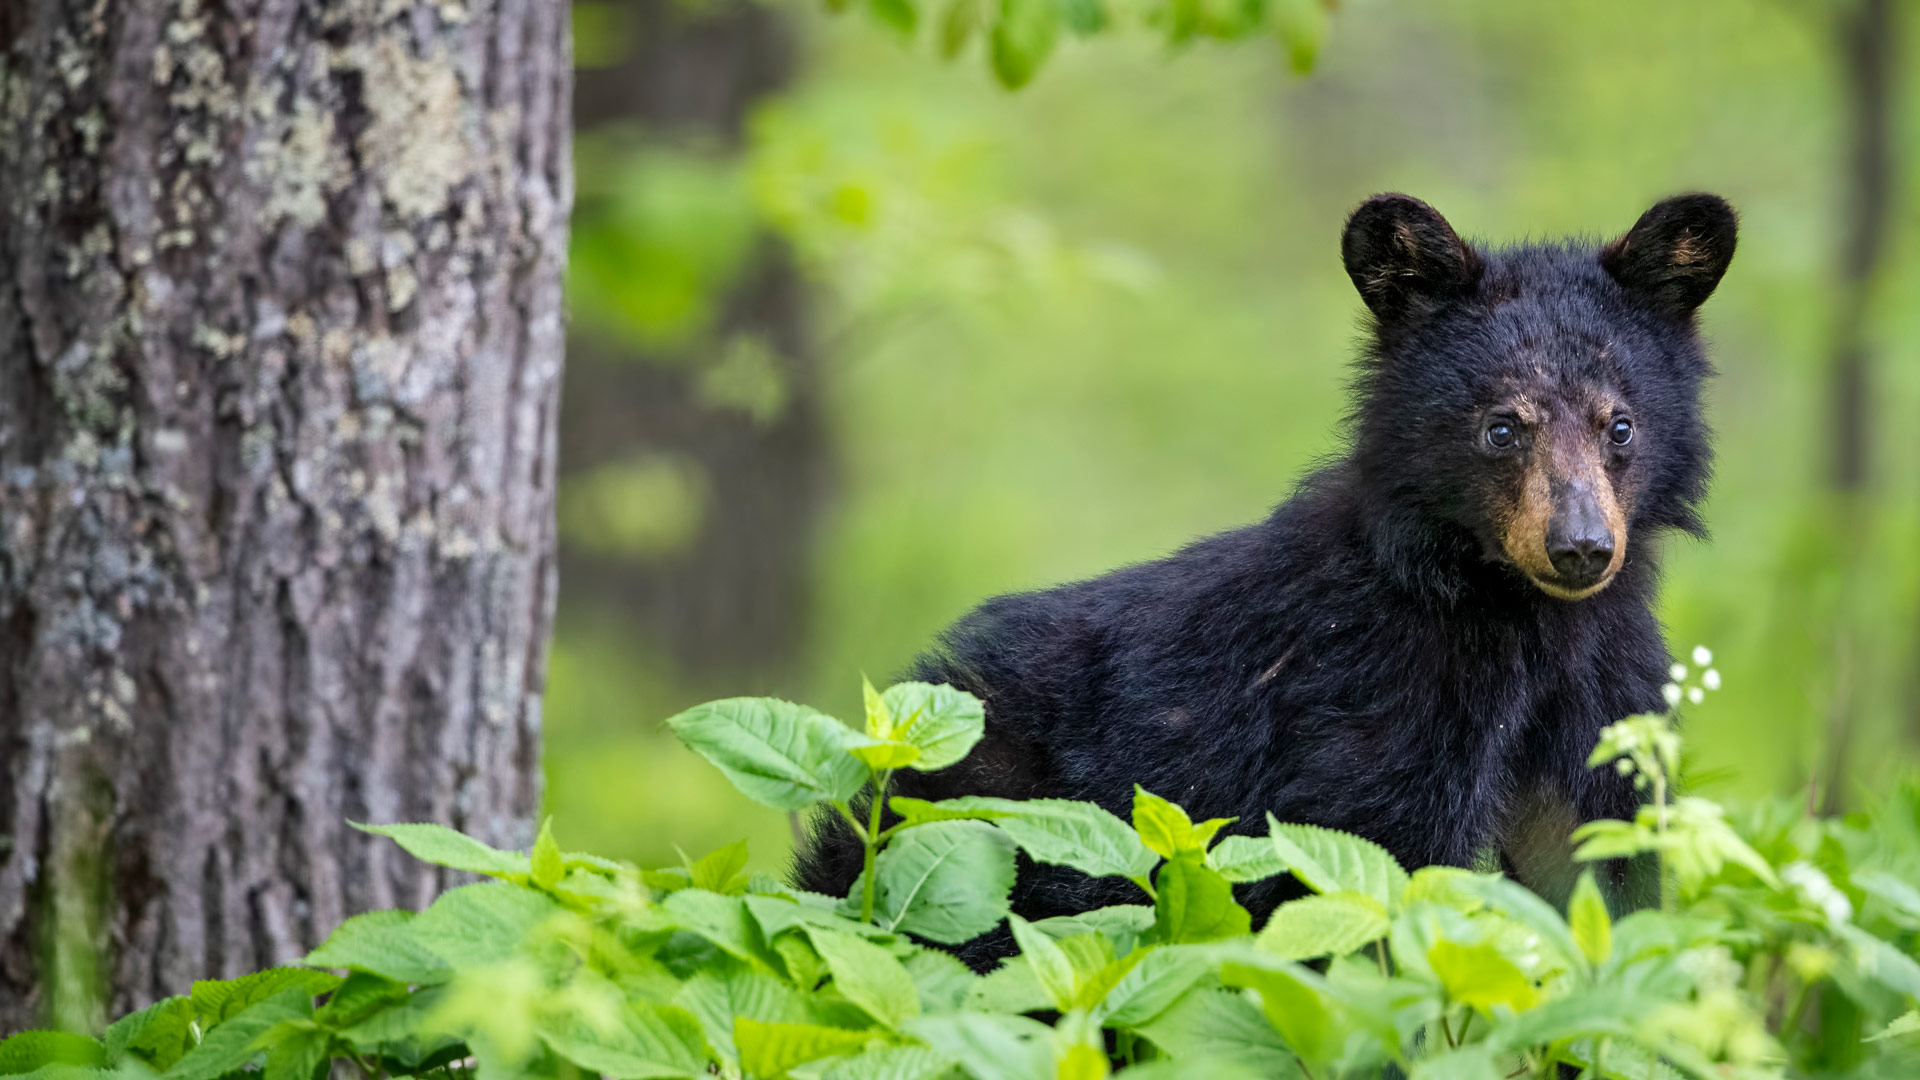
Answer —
(1582, 561)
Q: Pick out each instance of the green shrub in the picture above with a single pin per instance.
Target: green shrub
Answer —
(1783, 946)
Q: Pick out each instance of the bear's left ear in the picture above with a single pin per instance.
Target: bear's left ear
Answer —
(1676, 253)
(1399, 252)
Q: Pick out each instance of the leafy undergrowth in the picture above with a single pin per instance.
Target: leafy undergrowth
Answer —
(1783, 946)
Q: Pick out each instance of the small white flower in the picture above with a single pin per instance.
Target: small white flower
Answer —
(1671, 692)
(1678, 672)
(1710, 678)
(1702, 655)
(1696, 695)
(1818, 889)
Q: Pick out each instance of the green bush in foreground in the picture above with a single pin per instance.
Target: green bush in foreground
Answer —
(1784, 946)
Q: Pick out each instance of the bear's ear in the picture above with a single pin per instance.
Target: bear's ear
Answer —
(1675, 254)
(1399, 251)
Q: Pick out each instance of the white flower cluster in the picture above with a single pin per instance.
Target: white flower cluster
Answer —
(1818, 890)
(1677, 689)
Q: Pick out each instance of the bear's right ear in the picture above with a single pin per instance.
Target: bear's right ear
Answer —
(1399, 251)
(1676, 253)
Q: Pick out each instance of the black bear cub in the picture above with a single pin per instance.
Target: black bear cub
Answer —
(1423, 643)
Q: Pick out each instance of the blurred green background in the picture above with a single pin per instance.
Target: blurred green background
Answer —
(861, 338)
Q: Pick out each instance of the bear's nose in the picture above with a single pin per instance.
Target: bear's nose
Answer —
(1581, 560)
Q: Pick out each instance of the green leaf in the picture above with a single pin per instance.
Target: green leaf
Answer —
(216, 1001)
(546, 863)
(1330, 925)
(1159, 978)
(1023, 37)
(1301, 26)
(1122, 924)
(1166, 829)
(886, 755)
(1084, 17)
(1907, 1023)
(946, 882)
(1061, 832)
(232, 1044)
(442, 846)
(939, 978)
(958, 25)
(159, 1034)
(1218, 1024)
(990, 1047)
(30, 1050)
(896, 15)
(879, 717)
(724, 920)
(1048, 961)
(868, 976)
(1609, 1011)
(1194, 903)
(645, 1041)
(298, 1052)
(1325, 860)
(717, 998)
(878, 1063)
(1441, 885)
(361, 995)
(480, 924)
(1588, 920)
(778, 754)
(1296, 1003)
(381, 943)
(767, 1051)
(1246, 858)
(1524, 906)
(716, 870)
(1473, 1062)
(942, 722)
(1881, 961)
(1480, 976)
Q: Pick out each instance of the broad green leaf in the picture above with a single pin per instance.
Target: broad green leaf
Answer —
(942, 722)
(957, 26)
(1588, 920)
(646, 1041)
(1297, 1004)
(1333, 924)
(1881, 961)
(879, 718)
(297, 1050)
(1122, 924)
(546, 865)
(1208, 1024)
(442, 846)
(896, 15)
(1441, 885)
(1472, 1062)
(990, 1047)
(1166, 829)
(716, 999)
(232, 1044)
(1162, 976)
(1011, 988)
(1301, 26)
(480, 924)
(767, 1051)
(1061, 832)
(1084, 17)
(1480, 976)
(381, 943)
(1907, 1023)
(358, 997)
(1048, 962)
(778, 754)
(30, 1050)
(1609, 1011)
(878, 1063)
(868, 976)
(1325, 860)
(1023, 37)
(1246, 858)
(886, 755)
(1193, 903)
(940, 979)
(946, 882)
(1525, 907)
(724, 920)
(716, 870)
(157, 1035)
(215, 1001)
(1198, 1067)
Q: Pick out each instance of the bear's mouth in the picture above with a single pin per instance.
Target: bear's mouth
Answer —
(1561, 589)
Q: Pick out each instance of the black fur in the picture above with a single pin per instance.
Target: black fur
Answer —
(1365, 658)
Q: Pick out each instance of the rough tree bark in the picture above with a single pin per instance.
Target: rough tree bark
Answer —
(280, 346)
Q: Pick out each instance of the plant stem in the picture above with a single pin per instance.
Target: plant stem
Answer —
(360, 1063)
(871, 840)
(846, 814)
(1791, 1026)
(1660, 829)
(1464, 1021)
(1446, 1028)
(1380, 954)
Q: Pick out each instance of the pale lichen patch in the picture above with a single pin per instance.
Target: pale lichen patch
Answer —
(414, 142)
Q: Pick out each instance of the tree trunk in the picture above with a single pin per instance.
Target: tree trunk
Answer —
(280, 347)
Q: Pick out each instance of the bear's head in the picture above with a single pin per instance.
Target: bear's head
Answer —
(1541, 402)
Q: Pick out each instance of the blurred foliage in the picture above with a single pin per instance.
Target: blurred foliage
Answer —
(1078, 326)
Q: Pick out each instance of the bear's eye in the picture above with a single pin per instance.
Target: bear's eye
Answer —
(1621, 432)
(1500, 434)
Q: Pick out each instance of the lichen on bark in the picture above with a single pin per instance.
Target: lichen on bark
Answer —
(279, 362)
